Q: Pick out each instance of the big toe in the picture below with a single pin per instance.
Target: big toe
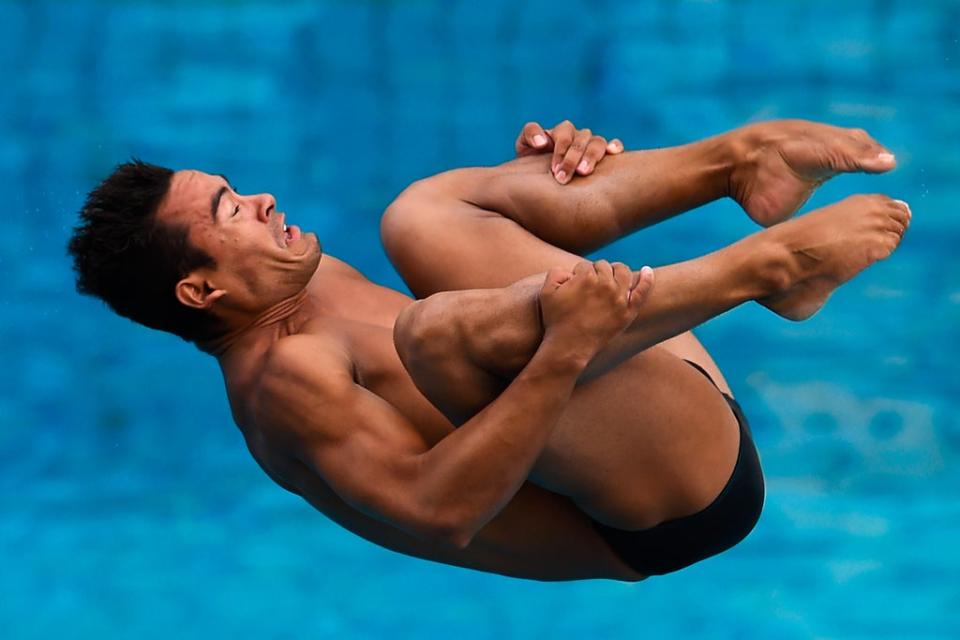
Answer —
(878, 162)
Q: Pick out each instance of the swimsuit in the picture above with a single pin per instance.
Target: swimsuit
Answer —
(675, 544)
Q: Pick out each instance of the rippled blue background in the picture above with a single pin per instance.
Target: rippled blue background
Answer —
(128, 504)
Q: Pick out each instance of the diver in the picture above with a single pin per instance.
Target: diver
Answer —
(530, 413)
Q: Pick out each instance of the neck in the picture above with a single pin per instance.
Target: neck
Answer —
(282, 310)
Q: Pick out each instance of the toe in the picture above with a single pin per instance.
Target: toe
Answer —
(901, 213)
(877, 160)
(871, 155)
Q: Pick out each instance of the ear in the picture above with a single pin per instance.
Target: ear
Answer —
(197, 292)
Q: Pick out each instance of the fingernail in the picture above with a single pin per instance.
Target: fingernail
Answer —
(561, 176)
(539, 140)
(885, 157)
(904, 203)
(583, 167)
(645, 270)
(554, 168)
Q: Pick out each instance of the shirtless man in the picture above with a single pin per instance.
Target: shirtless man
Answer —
(540, 426)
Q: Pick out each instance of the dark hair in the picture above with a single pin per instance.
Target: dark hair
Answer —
(123, 255)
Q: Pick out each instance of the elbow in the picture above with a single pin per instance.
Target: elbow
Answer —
(460, 541)
(452, 527)
(452, 535)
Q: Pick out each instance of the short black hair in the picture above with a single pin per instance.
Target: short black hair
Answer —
(126, 257)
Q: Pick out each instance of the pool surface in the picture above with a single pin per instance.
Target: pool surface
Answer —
(129, 506)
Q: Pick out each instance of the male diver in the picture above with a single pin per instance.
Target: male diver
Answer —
(530, 413)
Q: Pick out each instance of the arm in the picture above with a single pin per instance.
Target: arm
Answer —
(376, 461)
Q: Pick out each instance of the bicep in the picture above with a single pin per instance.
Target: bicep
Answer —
(370, 458)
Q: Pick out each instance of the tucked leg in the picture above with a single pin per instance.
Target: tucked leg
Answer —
(651, 439)
(478, 228)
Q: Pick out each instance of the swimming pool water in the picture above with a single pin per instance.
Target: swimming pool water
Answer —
(128, 504)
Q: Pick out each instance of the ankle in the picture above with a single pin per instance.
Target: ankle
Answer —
(746, 147)
(771, 267)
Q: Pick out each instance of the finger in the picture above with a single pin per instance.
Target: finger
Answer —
(639, 293)
(623, 275)
(562, 135)
(596, 149)
(615, 146)
(603, 269)
(532, 139)
(556, 277)
(584, 266)
(573, 156)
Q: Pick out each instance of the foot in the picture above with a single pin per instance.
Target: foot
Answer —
(781, 163)
(829, 246)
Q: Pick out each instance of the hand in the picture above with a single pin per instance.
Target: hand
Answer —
(584, 309)
(574, 150)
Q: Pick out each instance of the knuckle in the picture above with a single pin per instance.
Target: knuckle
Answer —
(594, 153)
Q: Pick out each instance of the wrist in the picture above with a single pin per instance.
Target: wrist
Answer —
(564, 354)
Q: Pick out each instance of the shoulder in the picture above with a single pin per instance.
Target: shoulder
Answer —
(301, 376)
(321, 363)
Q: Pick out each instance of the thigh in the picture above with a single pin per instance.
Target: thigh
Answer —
(652, 440)
(648, 441)
(455, 246)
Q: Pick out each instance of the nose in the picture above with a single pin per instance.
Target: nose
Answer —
(266, 204)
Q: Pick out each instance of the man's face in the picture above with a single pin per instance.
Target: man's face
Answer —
(260, 259)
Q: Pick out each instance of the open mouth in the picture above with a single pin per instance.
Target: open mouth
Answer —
(291, 233)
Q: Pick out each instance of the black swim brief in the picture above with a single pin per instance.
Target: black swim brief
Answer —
(675, 544)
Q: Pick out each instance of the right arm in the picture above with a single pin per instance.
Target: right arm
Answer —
(377, 462)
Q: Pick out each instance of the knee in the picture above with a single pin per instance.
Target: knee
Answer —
(423, 335)
(418, 216)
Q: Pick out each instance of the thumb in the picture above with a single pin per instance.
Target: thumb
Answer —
(640, 292)
(556, 277)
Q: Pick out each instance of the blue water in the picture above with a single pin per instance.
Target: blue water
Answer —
(128, 504)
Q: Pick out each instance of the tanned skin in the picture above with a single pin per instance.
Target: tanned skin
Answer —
(564, 378)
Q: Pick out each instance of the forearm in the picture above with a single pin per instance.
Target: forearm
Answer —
(471, 474)
(626, 192)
